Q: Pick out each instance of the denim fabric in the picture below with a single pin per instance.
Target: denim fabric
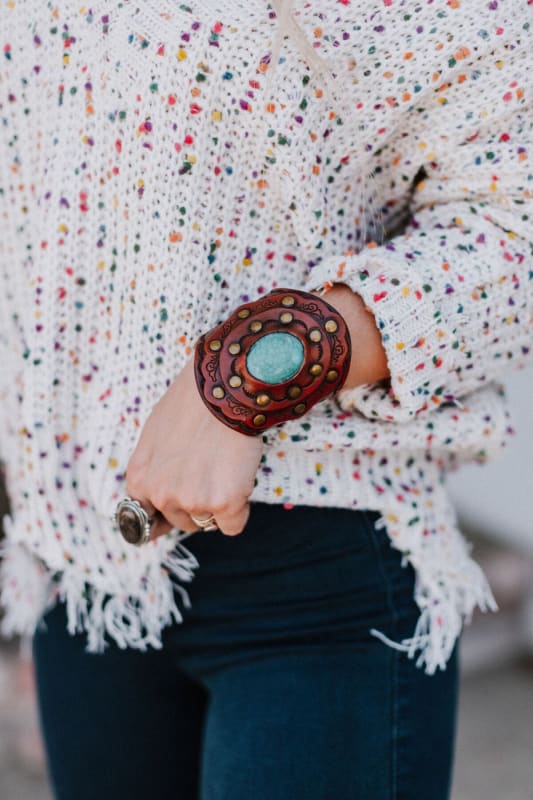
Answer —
(272, 687)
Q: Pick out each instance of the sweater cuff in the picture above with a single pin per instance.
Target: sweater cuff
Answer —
(420, 349)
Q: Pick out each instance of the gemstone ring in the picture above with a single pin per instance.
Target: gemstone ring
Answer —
(133, 521)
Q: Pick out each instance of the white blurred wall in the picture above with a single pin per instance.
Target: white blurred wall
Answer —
(497, 498)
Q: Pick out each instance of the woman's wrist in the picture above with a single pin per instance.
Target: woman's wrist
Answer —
(369, 360)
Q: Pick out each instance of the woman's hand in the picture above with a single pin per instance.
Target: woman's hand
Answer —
(188, 462)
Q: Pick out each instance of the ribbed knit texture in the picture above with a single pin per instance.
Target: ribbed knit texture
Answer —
(151, 180)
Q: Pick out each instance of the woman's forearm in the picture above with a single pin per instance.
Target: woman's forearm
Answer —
(369, 362)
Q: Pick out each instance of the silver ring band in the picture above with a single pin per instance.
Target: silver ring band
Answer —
(207, 524)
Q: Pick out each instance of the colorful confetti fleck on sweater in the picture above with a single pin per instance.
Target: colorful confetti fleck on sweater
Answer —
(156, 170)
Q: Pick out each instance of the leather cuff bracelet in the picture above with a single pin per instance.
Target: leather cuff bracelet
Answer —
(272, 360)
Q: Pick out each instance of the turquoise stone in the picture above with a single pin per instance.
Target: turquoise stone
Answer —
(275, 357)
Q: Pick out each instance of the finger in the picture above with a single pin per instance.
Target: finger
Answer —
(163, 513)
(234, 523)
(173, 518)
(159, 527)
(136, 492)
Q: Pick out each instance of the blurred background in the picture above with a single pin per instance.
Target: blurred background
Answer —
(495, 737)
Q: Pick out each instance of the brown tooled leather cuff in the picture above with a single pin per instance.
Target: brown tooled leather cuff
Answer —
(251, 380)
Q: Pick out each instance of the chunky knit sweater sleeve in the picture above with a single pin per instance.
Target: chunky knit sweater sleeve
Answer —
(453, 294)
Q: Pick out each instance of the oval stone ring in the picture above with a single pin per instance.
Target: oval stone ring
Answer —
(133, 522)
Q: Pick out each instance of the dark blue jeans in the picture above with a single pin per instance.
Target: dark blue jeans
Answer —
(272, 687)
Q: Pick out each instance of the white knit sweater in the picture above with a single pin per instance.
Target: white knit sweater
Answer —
(151, 180)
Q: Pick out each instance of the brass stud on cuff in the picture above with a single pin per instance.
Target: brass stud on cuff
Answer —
(331, 326)
(332, 375)
(256, 326)
(287, 300)
(315, 335)
(215, 344)
(218, 392)
(235, 381)
(315, 369)
(243, 313)
(259, 419)
(262, 399)
(294, 392)
(286, 317)
(234, 348)
(299, 408)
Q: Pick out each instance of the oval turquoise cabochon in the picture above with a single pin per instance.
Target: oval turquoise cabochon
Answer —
(275, 357)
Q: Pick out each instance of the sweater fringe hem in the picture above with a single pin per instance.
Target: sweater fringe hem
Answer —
(447, 591)
(130, 619)
(445, 606)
